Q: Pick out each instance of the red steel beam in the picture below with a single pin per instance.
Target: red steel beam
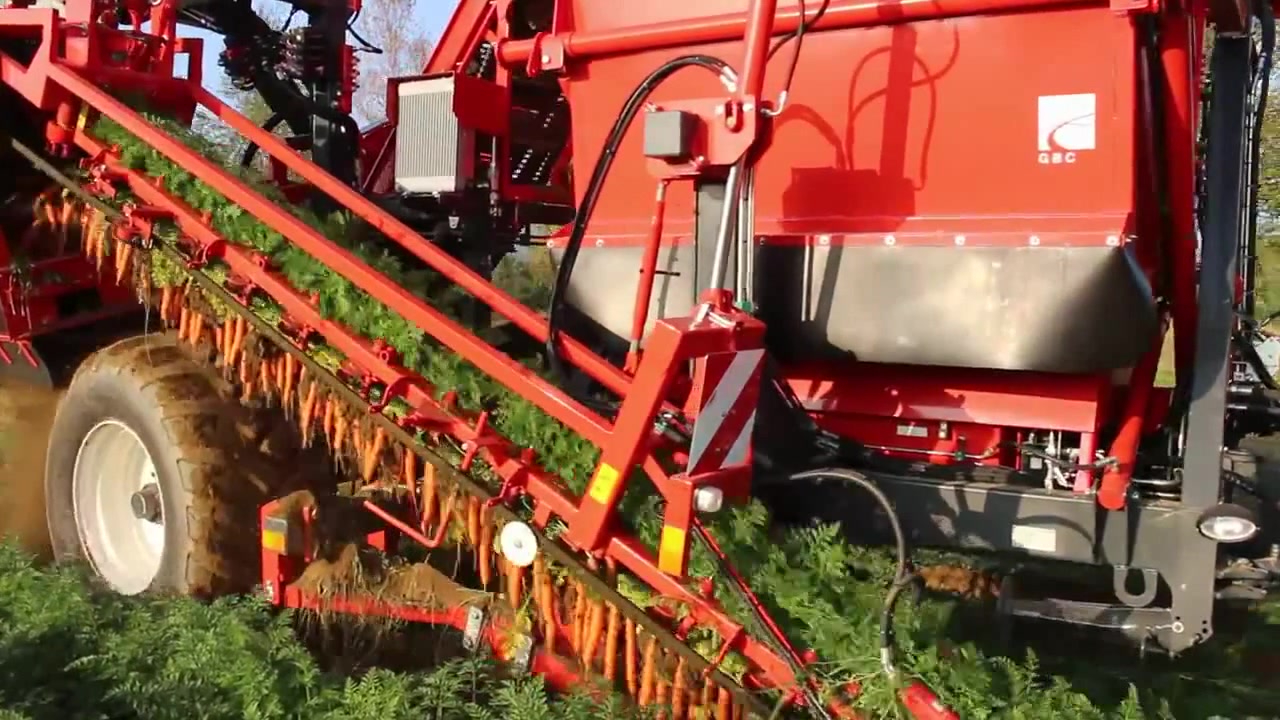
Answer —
(733, 26)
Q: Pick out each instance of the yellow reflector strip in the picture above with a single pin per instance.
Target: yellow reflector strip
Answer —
(274, 541)
(671, 550)
(603, 484)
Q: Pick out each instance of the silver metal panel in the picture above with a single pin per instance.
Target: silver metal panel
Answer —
(1070, 310)
(1048, 309)
(604, 283)
(433, 153)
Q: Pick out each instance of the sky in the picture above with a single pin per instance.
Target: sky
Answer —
(431, 13)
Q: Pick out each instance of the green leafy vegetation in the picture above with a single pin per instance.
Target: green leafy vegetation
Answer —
(827, 595)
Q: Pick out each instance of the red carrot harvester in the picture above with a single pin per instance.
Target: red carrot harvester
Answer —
(916, 257)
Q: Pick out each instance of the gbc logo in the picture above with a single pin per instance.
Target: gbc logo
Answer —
(1067, 126)
(1057, 158)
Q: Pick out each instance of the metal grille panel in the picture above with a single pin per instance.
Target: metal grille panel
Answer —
(433, 154)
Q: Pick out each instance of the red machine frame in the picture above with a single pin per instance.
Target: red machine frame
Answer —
(75, 61)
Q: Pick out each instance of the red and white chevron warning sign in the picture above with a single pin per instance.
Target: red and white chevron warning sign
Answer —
(726, 393)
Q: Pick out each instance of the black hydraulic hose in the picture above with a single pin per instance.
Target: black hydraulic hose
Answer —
(251, 152)
(904, 577)
(555, 309)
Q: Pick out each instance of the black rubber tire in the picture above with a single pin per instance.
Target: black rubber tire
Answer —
(215, 465)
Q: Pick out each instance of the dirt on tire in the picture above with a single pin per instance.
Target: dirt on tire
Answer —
(26, 414)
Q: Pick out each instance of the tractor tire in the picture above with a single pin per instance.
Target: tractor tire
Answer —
(155, 475)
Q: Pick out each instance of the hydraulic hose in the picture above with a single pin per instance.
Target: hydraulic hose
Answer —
(555, 309)
(251, 151)
(904, 577)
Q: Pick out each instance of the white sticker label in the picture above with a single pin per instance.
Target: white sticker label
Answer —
(914, 431)
(1035, 539)
(1068, 125)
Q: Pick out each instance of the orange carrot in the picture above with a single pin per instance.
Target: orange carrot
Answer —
(611, 643)
(591, 635)
(485, 556)
(124, 250)
(309, 413)
(515, 585)
(228, 338)
(277, 372)
(629, 656)
(678, 690)
(410, 476)
(724, 705)
(326, 424)
(217, 337)
(660, 696)
(166, 301)
(264, 374)
(238, 342)
(339, 431)
(290, 363)
(374, 454)
(184, 321)
(428, 495)
(648, 672)
(579, 616)
(196, 329)
(473, 520)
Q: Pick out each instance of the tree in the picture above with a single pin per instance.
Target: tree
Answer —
(392, 26)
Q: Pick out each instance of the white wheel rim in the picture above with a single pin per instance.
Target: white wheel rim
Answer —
(113, 472)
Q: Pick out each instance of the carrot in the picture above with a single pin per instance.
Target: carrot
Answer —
(166, 302)
(375, 453)
(196, 329)
(660, 696)
(724, 705)
(485, 556)
(184, 321)
(549, 628)
(708, 693)
(246, 378)
(579, 617)
(309, 414)
(629, 655)
(428, 495)
(515, 584)
(678, 690)
(591, 635)
(410, 472)
(339, 431)
(64, 228)
(278, 369)
(648, 672)
(238, 342)
(326, 424)
(217, 337)
(228, 338)
(357, 440)
(264, 374)
(611, 643)
(473, 520)
(290, 364)
(122, 261)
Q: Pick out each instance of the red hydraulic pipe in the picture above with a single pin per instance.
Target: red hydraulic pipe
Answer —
(732, 26)
(760, 25)
(648, 271)
(1124, 449)
(1180, 110)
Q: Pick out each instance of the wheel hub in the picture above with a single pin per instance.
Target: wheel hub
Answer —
(119, 507)
(145, 503)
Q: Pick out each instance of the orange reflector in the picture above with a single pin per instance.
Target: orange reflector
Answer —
(671, 550)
